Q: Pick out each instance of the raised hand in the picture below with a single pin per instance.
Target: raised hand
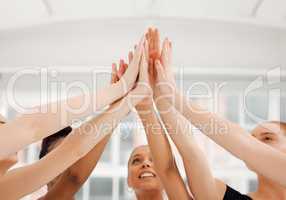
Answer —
(128, 79)
(146, 103)
(142, 89)
(166, 60)
(161, 75)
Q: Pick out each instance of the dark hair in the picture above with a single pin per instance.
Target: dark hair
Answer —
(48, 141)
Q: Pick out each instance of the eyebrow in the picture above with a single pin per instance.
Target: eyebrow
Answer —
(136, 155)
(266, 133)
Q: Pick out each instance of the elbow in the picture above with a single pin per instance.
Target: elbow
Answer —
(74, 177)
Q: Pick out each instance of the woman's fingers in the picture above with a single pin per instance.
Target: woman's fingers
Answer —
(130, 57)
(170, 53)
(121, 69)
(146, 50)
(165, 53)
(143, 75)
(138, 52)
(125, 66)
(157, 44)
(160, 71)
(114, 77)
(151, 67)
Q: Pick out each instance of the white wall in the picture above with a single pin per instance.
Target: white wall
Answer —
(197, 43)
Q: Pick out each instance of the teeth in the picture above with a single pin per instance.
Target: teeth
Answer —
(146, 174)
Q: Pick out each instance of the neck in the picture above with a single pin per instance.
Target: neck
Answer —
(150, 195)
(269, 189)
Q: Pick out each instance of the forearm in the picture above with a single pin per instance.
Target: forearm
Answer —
(30, 128)
(235, 139)
(74, 147)
(162, 156)
(157, 140)
(74, 177)
(199, 175)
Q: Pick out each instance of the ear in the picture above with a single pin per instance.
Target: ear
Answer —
(129, 182)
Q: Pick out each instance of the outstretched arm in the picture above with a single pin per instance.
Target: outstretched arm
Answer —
(163, 159)
(200, 178)
(74, 177)
(30, 128)
(74, 147)
(229, 135)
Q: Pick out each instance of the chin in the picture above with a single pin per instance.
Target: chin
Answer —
(149, 186)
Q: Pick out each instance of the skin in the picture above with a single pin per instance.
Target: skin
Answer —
(163, 159)
(139, 162)
(194, 160)
(274, 135)
(38, 125)
(230, 136)
(75, 146)
(66, 185)
(157, 139)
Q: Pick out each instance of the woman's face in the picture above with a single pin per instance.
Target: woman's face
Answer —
(271, 134)
(141, 172)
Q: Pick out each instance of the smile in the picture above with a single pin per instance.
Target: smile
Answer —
(147, 175)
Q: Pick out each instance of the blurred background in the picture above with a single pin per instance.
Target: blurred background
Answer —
(229, 56)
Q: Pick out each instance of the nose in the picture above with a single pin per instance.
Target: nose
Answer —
(146, 164)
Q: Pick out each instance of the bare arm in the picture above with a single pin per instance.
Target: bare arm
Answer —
(200, 178)
(14, 184)
(238, 141)
(74, 147)
(30, 128)
(164, 162)
(74, 177)
(229, 135)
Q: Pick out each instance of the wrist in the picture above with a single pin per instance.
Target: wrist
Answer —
(123, 86)
(148, 111)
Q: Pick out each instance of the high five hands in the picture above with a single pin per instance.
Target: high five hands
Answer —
(153, 65)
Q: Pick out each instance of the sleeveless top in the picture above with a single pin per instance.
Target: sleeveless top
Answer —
(232, 194)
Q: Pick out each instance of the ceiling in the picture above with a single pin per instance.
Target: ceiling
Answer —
(19, 13)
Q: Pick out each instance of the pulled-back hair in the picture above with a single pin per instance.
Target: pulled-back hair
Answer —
(48, 141)
(281, 124)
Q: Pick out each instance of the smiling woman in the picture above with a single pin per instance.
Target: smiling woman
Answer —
(142, 177)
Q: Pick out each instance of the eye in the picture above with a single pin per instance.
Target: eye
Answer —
(267, 139)
(135, 161)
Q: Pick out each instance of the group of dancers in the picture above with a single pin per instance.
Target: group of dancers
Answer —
(145, 82)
